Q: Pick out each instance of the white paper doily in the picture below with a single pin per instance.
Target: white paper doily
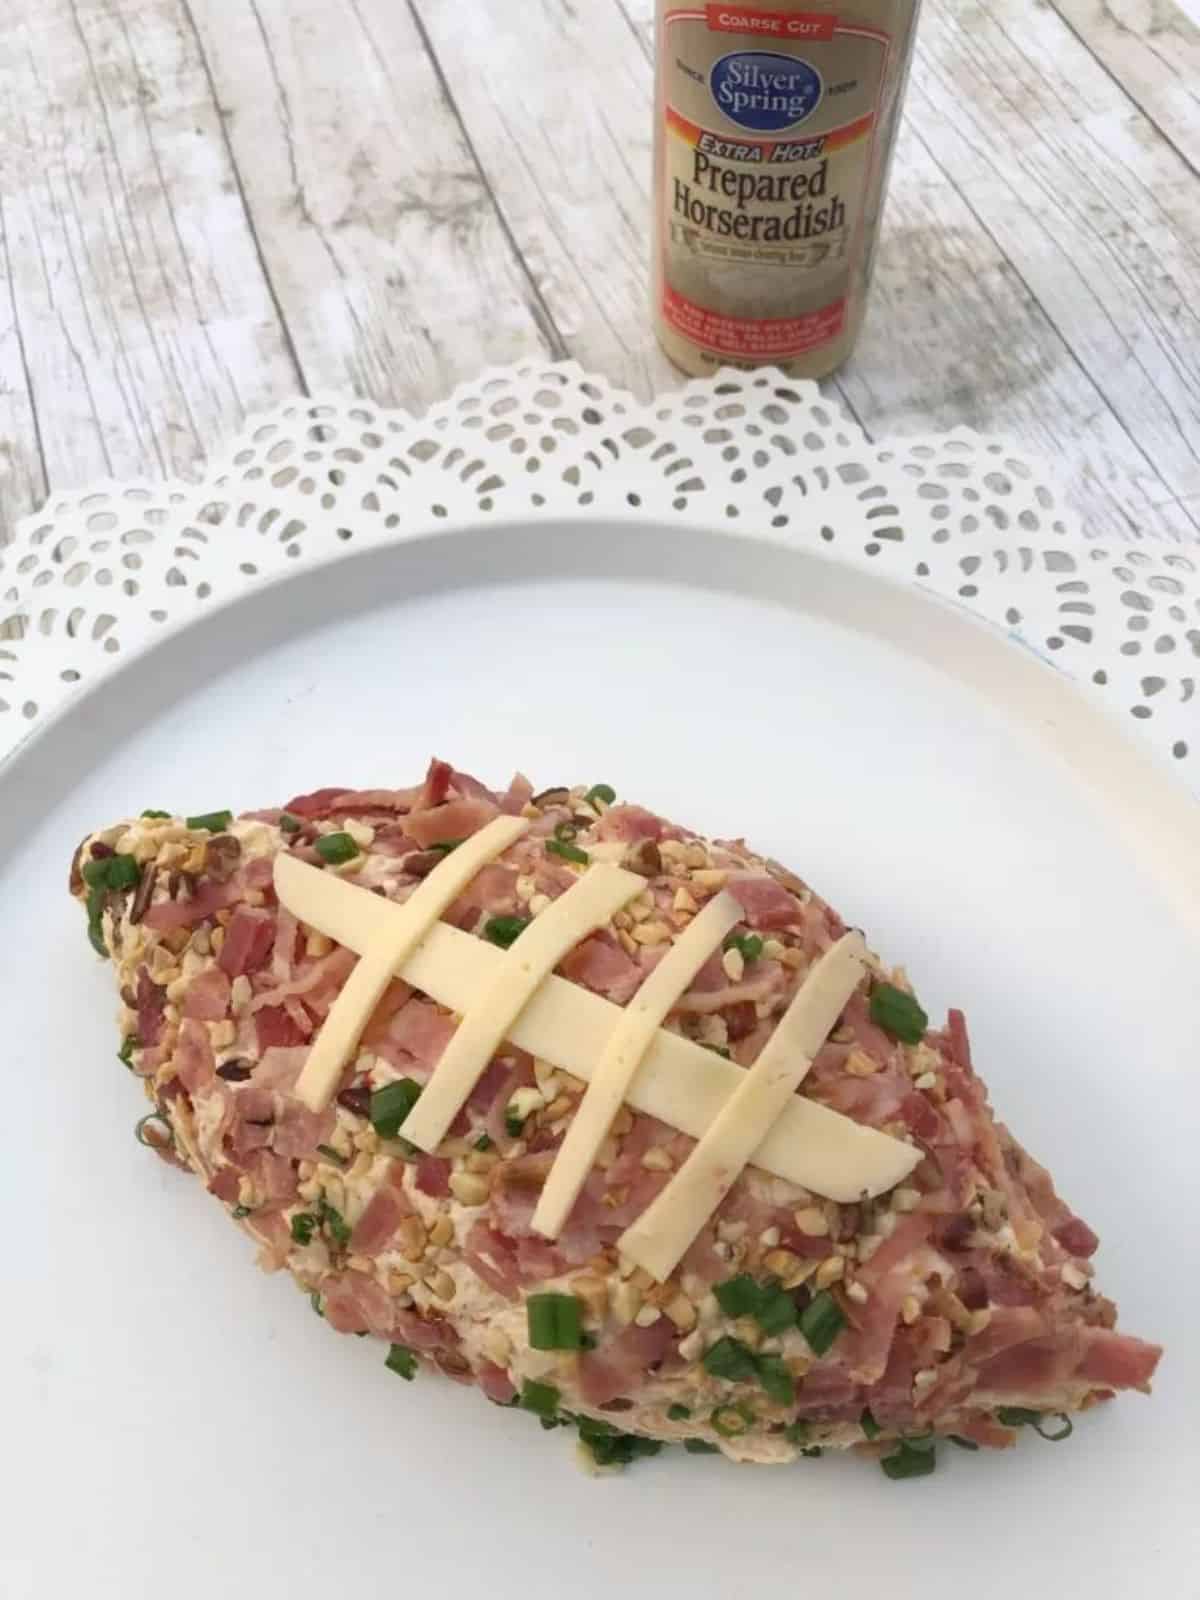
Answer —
(98, 575)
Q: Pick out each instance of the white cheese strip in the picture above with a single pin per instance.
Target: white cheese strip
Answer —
(586, 906)
(622, 1056)
(660, 1237)
(386, 953)
(680, 1083)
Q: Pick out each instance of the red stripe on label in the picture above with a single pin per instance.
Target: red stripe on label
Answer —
(770, 24)
(753, 337)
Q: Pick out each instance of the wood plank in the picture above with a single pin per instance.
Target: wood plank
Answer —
(389, 258)
(1152, 49)
(560, 114)
(146, 323)
(22, 470)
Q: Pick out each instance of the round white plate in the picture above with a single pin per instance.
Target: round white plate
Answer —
(174, 1420)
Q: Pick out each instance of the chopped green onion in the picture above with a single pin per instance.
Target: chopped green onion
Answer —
(919, 1441)
(796, 1433)
(909, 1463)
(604, 792)
(678, 1413)
(484, 1142)
(776, 1379)
(963, 1444)
(112, 872)
(555, 1321)
(391, 1104)
(156, 816)
(730, 1359)
(1064, 1432)
(1016, 1416)
(211, 821)
(609, 1449)
(444, 846)
(335, 848)
(898, 1013)
(333, 1220)
(701, 1447)
(540, 1398)
(332, 1156)
(749, 945)
(730, 1421)
(738, 1297)
(402, 1361)
(720, 1050)
(814, 1452)
(504, 931)
(569, 852)
(125, 1053)
(289, 823)
(139, 1132)
(314, 1301)
(303, 1225)
(240, 1211)
(869, 1426)
(821, 1321)
(566, 832)
(776, 1312)
(95, 911)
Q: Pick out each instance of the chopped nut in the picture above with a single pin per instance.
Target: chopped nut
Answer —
(994, 1207)
(656, 1159)
(811, 1220)
(829, 1271)
(559, 1107)
(399, 1282)
(697, 854)
(860, 1065)
(692, 1347)
(469, 1188)
(651, 933)
(644, 858)
(358, 1263)
(673, 849)
(731, 1232)
(910, 1309)
(711, 877)
(925, 1379)
(749, 1332)
(927, 1080)
(363, 1162)
(734, 964)
(792, 957)
(905, 1199)
(442, 1231)
(545, 1075)
(240, 993)
(411, 1237)
(309, 1190)
(593, 1292)
(497, 1346)
(317, 945)
(683, 901)
(789, 1268)
(857, 1292)
(524, 1102)
(980, 1320)
(441, 1284)
(538, 904)
(681, 1312)
(304, 1170)
(481, 1160)
(769, 1238)
(773, 949)
(622, 1122)
(627, 942)
(362, 833)
(647, 1316)
(626, 1301)
(1073, 1278)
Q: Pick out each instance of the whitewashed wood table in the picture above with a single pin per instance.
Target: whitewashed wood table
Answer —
(206, 205)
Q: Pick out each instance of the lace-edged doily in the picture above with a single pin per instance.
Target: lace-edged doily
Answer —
(101, 574)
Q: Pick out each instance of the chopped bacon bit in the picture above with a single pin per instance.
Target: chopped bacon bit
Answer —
(274, 1026)
(767, 904)
(151, 1003)
(248, 941)
(433, 1176)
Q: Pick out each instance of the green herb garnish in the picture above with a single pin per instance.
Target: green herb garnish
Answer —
(821, 1321)
(540, 1398)
(391, 1104)
(332, 1220)
(335, 848)
(775, 1378)
(211, 821)
(156, 816)
(910, 1461)
(963, 1444)
(1019, 1417)
(869, 1426)
(303, 1227)
(239, 1212)
(776, 1311)
(555, 1322)
(1016, 1416)
(730, 1359)
(504, 930)
(701, 1447)
(772, 1307)
(125, 1053)
(484, 1142)
(611, 1449)
(813, 1453)
(332, 1156)
(402, 1361)
(730, 1421)
(749, 945)
(678, 1413)
(898, 1013)
(796, 1433)
(314, 1301)
(109, 873)
(604, 792)
(568, 851)
(289, 822)
(444, 846)
(156, 1117)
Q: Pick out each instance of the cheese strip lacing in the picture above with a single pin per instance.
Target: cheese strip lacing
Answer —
(662, 1234)
(586, 906)
(615, 1070)
(378, 963)
(680, 1082)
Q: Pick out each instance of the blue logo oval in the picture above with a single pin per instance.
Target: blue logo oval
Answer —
(761, 90)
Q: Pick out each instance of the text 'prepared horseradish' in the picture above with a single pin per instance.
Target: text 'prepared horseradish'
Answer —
(773, 139)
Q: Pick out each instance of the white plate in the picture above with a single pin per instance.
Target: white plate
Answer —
(175, 1420)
